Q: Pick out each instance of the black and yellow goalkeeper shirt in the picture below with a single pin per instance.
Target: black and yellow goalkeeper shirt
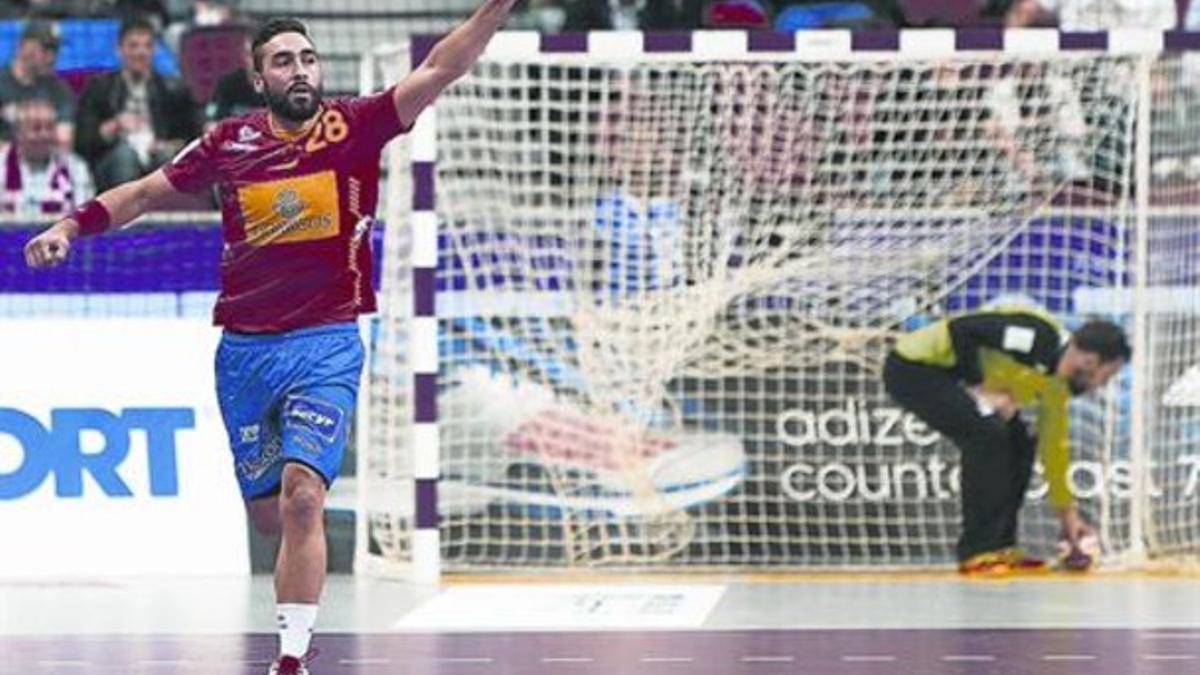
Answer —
(1013, 350)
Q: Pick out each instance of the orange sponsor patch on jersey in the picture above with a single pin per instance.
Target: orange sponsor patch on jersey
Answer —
(290, 210)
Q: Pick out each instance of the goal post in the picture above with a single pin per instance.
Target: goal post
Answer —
(668, 267)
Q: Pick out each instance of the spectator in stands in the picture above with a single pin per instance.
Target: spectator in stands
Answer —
(14, 8)
(235, 93)
(39, 177)
(1087, 15)
(133, 119)
(23, 8)
(544, 16)
(153, 11)
(1108, 158)
(203, 13)
(63, 9)
(31, 75)
(634, 14)
(1029, 103)
(214, 12)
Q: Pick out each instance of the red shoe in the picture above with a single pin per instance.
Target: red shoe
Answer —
(288, 665)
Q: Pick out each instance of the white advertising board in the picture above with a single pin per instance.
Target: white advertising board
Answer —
(113, 457)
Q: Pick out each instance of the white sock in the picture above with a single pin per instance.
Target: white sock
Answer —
(295, 628)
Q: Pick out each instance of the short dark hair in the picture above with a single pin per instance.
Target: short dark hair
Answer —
(272, 28)
(35, 101)
(1103, 338)
(132, 24)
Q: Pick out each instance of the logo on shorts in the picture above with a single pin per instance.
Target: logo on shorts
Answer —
(253, 468)
(322, 418)
(250, 433)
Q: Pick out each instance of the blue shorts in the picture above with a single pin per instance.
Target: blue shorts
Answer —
(288, 397)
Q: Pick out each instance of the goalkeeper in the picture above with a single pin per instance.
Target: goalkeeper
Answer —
(966, 377)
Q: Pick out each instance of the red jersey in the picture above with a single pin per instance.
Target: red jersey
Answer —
(296, 210)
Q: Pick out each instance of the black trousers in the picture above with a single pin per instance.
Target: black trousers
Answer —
(997, 455)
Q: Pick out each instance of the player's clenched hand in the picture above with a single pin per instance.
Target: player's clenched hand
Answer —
(51, 247)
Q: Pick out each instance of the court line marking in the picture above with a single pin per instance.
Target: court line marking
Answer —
(866, 658)
(51, 663)
(667, 659)
(968, 657)
(363, 662)
(165, 662)
(1170, 657)
(1069, 657)
(466, 659)
(567, 659)
(768, 659)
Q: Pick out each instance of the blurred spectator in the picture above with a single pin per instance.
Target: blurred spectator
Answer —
(1033, 102)
(31, 75)
(64, 9)
(544, 16)
(133, 119)
(634, 14)
(214, 12)
(736, 14)
(235, 92)
(203, 13)
(39, 177)
(1085, 15)
(152, 10)
(14, 8)
(27, 8)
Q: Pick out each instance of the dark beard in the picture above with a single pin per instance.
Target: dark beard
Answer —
(1078, 383)
(281, 105)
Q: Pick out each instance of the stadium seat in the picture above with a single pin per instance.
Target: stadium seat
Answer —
(737, 14)
(825, 15)
(87, 45)
(77, 78)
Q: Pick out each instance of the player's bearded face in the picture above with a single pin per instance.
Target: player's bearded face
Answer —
(290, 77)
(295, 101)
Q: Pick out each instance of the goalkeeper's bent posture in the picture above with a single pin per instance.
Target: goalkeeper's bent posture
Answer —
(298, 186)
(966, 377)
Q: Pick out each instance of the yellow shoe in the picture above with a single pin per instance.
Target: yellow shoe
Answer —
(989, 565)
(1022, 563)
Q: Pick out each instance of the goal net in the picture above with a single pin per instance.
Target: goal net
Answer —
(666, 285)
(1169, 259)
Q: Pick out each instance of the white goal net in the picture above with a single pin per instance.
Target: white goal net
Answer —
(666, 286)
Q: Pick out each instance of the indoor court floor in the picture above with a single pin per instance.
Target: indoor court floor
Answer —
(825, 625)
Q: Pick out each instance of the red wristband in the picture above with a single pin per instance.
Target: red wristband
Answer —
(92, 217)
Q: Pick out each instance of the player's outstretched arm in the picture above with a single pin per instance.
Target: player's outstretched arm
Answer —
(450, 59)
(113, 208)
